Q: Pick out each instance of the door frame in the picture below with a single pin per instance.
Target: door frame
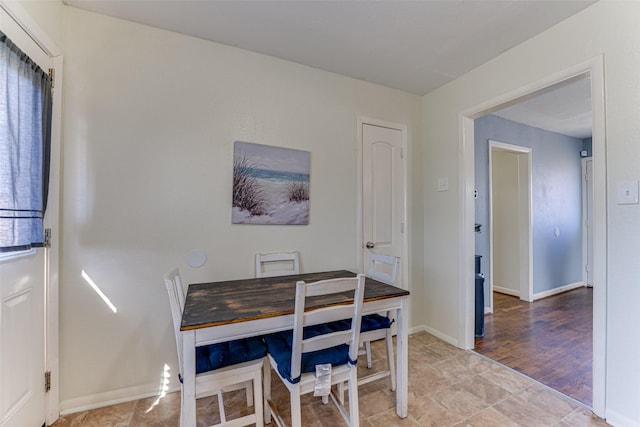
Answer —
(52, 216)
(594, 69)
(587, 229)
(404, 262)
(525, 231)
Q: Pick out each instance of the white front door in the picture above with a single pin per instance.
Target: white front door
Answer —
(23, 291)
(22, 356)
(383, 205)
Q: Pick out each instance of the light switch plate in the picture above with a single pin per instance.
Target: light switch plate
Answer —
(628, 193)
(443, 184)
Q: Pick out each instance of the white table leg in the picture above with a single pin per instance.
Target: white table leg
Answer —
(188, 413)
(402, 368)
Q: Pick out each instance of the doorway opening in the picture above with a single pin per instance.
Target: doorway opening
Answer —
(593, 72)
(510, 239)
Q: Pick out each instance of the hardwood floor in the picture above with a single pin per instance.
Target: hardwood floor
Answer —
(549, 340)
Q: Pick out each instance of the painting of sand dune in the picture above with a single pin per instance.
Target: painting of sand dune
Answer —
(270, 185)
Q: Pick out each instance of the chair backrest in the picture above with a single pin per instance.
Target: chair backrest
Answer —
(173, 282)
(348, 308)
(383, 268)
(277, 264)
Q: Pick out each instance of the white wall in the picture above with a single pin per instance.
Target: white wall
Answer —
(150, 119)
(609, 28)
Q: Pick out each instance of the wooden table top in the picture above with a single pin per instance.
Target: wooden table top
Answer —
(233, 301)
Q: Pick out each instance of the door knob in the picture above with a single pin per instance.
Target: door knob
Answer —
(370, 245)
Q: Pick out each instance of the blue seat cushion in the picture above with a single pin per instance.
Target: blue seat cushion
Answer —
(279, 346)
(216, 356)
(370, 322)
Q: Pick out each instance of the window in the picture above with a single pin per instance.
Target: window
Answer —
(25, 142)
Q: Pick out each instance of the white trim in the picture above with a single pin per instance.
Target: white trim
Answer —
(444, 337)
(466, 232)
(416, 329)
(52, 220)
(585, 228)
(503, 290)
(617, 419)
(114, 397)
(24, 20)
(558, 290)
(595, 69)
(600, 244)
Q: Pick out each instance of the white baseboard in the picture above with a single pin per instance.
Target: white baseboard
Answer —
(540, 295)
(444, 337)
(416, 329)
(435, 333)
(114, 397)
(506, 291)
(618, 420)
(558, 290)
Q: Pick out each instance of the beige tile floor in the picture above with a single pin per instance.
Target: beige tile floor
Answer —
(447, 387)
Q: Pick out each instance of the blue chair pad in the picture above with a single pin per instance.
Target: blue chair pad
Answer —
(370, 322)
(216, 356)
(279, 346)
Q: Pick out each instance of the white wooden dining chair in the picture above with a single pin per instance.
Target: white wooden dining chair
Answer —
(294, 354)
(383, 268)
(277, 264)
(214, 378)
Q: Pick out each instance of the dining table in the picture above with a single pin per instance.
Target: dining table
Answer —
(233, 309)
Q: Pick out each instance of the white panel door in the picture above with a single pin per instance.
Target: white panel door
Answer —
(383, 193)
(22, 394)
(22, 305)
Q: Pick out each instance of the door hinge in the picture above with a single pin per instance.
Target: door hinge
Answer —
(47, 381)
(52, 76)
(47, 238)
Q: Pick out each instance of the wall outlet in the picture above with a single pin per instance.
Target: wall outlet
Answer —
(628, 193)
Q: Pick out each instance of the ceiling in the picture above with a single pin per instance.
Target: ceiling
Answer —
(415, 46)
(564, 108)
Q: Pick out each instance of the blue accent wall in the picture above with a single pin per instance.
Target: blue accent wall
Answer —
(556, 199)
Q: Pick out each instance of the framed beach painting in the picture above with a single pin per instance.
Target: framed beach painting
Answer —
(270, 185)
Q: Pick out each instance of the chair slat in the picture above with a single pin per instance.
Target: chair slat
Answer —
(329, 314)
(330, 286)
(281, 263)
(326, 341)
(300, 383)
